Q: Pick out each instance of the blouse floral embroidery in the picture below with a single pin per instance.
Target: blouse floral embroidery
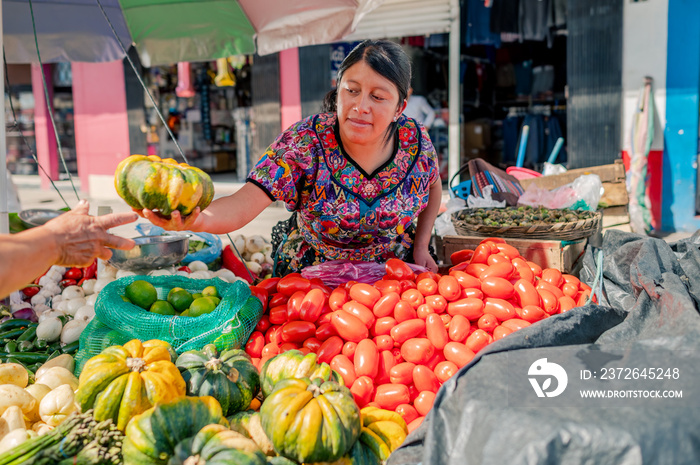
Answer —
(343, 212)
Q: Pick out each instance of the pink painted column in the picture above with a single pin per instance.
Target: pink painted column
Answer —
(290, 88)
(101, 120)
(45, 136)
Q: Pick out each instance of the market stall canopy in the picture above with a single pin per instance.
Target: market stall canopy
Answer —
(171, 31)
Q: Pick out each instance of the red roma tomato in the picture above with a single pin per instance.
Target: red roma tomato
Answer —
(473, 293)
(437, 302)
(407, 412)
(566, 303)
(501, 309)
(297, 331)
(500, 332)
(497, 270)
(386, 363)
(427, 286)
(396, 352)
(413, 297)
(470, 308)
(478, 340)
(405, 285)
(551, 288)
(387, 285)
(264, 324)
(449, 288)
(508, 250)
(570, 289)
(397, 269)
(424, 379)
(531, 313)
(415, 424)
(404, 311)
(329, 349)
(445, 370)
(497, 258)
(536, 269)
(325, 331)
(553, 277)
(412, 392)
(475, 269)
(461, 256)
(73, 273)
(417, 350)
(466, 280)
(390, 396)
(365, 294)
(497, 287)
(337, 298)
(345, 368)
(437, 358)
(349, 349)
(366, 359)
(550, 304)
(402, 373)
(526, 293)
(523, 270)
(384, 342)
(446, 319)
(259, 293)
(362, 390)
(487, 322)
(349, 327)
(460, 267)
(424, 310)
(255, 344)
(294, 305)
(424, 402)
(292, 283)
(317, 283)
(481, 253)
(277, 300)
(273, 335)
(408, 329)
(304, 350)
(269, 284)
(313, 344)
(349, 284)
(428, 274)
(363, 313)
(284, 347)
(516, 324)
(584, 287)
(385, 305)
(458, 329)
(435, 331)
(312, 305)
(383, 326)
(495, 240)
(278, 315)
(570, 279)
(325, 317)
(270, 350)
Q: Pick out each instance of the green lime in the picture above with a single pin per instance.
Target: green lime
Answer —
(142, 293)
(216, 300)
(197, 296)
(210, 291)
(201, 306)
(179, 298)
(162, 307)
(185, 313)
(125, 299)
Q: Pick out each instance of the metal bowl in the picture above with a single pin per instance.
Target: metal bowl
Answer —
(151, 252)
(37, 216)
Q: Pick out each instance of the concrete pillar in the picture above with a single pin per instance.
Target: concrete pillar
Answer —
(44, 134)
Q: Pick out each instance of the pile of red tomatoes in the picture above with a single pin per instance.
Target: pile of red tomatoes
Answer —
(395, 342)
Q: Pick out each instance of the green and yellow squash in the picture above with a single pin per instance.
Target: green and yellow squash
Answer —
(151, 438)
(230, 377)
(217, 445)
(249, 425)
(124, 381)
(311, 420)
(294, 364)
(162, 185)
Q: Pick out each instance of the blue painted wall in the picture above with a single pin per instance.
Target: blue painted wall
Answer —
(681, 131)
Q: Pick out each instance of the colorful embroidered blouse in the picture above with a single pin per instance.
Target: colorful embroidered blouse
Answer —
(343, 212)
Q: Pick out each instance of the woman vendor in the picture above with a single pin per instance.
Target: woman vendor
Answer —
(361, 178)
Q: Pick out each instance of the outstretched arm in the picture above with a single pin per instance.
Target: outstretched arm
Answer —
(222, 216)
(424, 228)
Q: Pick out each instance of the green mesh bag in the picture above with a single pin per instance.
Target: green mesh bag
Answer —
(95, 338)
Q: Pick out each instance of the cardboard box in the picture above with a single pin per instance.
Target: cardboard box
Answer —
(223, 161)
(562, 255)
(477, 134)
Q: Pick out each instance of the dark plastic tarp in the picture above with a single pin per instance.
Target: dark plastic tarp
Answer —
(489, 412)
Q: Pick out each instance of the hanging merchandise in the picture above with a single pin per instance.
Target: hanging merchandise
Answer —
(185, 87)
(642, 135)
(204, 103)
(224, 77)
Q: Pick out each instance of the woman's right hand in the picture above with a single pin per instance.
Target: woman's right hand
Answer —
(176, 222)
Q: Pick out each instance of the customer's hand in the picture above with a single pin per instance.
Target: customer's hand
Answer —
(176, 222)
(423, 258)
(80, 238)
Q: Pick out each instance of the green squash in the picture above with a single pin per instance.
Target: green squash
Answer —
(217, 445)
(311, 420)
(249, 425)
(162, 185)
(294, 364)
(229, 377)
(279, 460)
(152, 436)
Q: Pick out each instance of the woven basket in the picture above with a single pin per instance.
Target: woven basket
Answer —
(556, 231)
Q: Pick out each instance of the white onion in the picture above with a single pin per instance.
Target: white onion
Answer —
(198, 265)
(159, 273)
(101, 283)
(58, 268)
(254, 267)
(41, 308)
(225, 274)
(46, 280)
(72, 292)
(91, 299)
(89, 286)
(182, 273)
(123, 273)
(53, 288)
(56, 299)
(49, 329)
(200, 275)
(72, 330)
(50, 314)
(258, 257)
(86, 312)
(73, 305)
(254, 244)
(54, 276)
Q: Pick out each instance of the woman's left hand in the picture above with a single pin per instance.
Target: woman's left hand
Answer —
(423, 258)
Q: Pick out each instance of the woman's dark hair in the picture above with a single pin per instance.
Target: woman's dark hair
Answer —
(386, 58)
